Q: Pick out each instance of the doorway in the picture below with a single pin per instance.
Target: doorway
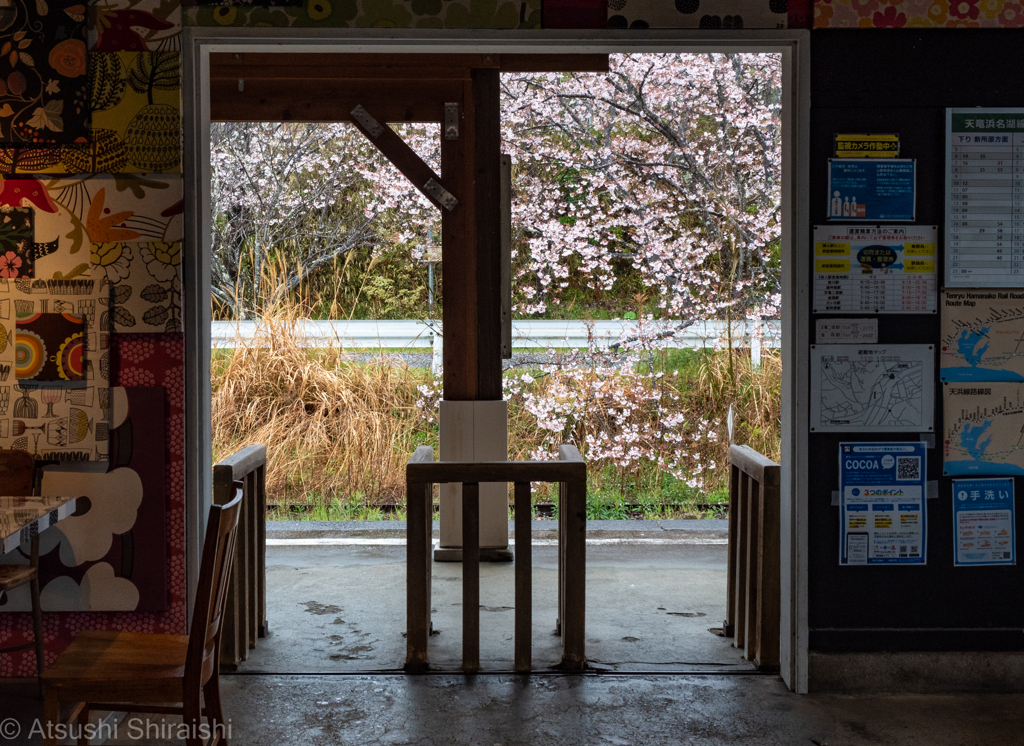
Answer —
(200, 43)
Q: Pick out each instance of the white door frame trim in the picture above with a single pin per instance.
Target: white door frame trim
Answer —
(793, 45)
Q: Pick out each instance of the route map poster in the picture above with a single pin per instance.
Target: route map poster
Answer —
(882, 508)
(983, 429)
(982, 335)
(872, 388)
(875, 268)
(983, 522)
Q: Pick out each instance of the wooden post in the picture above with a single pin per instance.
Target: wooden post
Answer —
(458, 260)
(417, 583)
(470, 577)
(729, 624)
(524, 579)
(769, 607)
(740, 586)
(261, 548)
(572, 515)
(486, 100)
(752, 592)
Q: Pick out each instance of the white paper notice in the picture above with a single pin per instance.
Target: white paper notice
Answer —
(874, 269)
(872, 388)
(846, 331)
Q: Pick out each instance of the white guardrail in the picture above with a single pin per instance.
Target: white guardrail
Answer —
(403, 334)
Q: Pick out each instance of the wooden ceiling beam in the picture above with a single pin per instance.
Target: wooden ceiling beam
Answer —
(554, 63)
(329, 101)
(298, 66)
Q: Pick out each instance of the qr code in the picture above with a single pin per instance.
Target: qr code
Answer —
(908, 468)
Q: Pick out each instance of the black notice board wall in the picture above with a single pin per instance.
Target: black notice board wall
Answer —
(901, 81)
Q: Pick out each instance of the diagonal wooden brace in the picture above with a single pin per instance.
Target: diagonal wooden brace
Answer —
(395, 149)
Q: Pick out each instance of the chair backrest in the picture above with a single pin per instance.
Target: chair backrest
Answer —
(17, 473)
(214, 575)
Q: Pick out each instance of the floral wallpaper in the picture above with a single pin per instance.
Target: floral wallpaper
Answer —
(483, 14)
(90, 301)
(918, 14)
(43, 93)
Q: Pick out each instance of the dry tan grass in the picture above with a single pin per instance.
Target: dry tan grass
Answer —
(332, 428)
(337, 429)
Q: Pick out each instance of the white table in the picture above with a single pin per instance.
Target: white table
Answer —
(21, 518)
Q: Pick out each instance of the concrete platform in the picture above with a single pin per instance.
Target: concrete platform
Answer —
(336, 599)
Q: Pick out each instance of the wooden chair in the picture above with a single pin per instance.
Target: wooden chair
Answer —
(17, 478)
(138, 672)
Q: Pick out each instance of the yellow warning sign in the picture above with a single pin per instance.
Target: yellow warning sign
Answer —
(867, 146)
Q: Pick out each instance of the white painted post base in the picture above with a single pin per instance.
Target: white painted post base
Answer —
(474, 431)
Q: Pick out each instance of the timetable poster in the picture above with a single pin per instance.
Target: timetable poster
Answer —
(882, 509)
(875, 269)
(983, 525)
(985, 197)
(872, 189)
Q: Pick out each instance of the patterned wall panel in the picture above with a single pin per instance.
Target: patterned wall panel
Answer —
(707, 14)
(426, 14)
(90, 244)
(918, 14)
(43, 91)
(134, 25)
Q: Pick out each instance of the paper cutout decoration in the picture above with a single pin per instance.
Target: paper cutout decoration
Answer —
(17, 253)
(50, 348)
(44, 97)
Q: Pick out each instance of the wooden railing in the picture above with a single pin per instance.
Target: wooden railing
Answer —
(421, 473)
(245, 617)
(752, 612)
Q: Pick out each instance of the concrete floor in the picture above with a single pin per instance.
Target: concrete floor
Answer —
(633, 710)
(336, 608)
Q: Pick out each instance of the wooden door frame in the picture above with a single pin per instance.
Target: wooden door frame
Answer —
(792, 45)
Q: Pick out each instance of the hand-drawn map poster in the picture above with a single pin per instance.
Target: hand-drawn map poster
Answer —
(982, 335)
(872, 388)
(984, 429)
(875, 268)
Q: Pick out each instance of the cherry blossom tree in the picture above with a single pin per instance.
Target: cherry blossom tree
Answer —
(669, 161)
(290, 200)
(668, 164)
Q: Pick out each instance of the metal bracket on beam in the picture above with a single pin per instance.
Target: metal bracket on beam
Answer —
(370, 124)
(451, 121)
(442, 195)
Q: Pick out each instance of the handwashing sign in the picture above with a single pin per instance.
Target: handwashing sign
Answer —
(983, 522)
